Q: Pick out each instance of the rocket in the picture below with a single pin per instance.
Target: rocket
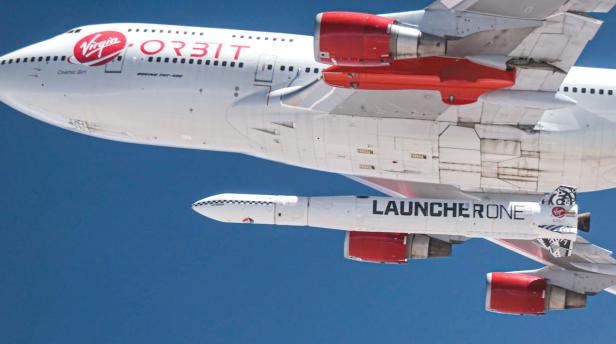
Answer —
(555, 217)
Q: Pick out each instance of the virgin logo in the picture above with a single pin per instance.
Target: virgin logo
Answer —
(558, 212)
(99, 48)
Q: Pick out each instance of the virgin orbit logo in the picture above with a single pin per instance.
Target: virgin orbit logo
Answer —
(99, 48)
(559, 212)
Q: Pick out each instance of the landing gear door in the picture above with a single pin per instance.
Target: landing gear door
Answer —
(265, 68)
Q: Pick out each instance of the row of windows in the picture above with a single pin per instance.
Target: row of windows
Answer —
(74, 31)
(157, 59)
(291, 69)
(195, 61)
(33, 59)
(194, 33)
(585, 90)
(217, 63)
(266, 38)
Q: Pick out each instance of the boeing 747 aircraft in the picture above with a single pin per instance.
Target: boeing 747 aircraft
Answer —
(469, 115)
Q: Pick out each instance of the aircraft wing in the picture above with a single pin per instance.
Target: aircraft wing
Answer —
(590, 269)
(540, 40)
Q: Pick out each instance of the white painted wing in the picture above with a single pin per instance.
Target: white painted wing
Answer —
(542, 39)
(531, 9)
(586, 258)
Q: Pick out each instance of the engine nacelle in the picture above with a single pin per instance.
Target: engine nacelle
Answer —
(393, 248)
(360, 39)
(520, 294)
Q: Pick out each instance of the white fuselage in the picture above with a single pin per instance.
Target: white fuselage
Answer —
(212, 89)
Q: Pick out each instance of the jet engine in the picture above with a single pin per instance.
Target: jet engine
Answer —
(360, 39)
(520, 294)
(393, 248)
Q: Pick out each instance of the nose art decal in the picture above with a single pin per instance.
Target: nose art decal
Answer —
(99, 48)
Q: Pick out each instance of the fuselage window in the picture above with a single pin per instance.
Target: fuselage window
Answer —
(224, 63)
(241, 65)
(136, 30)
(610, 93)
(175, 60)
(145, 30)
(10, 61)
(183, 61)
(575, 90)
(270, 67)
(215, 63)
(3, 62)
(191, 61)
(17, 60)
(232, 64)
(158, 59)
(32, 59)
(119, 58)
(592, 91)
(63, 58)
(566, 89)
(207, 62)
(282, 68)
(40, 58)
(166, 60)
(130, 30)
(199, 62)
(291, 68)
(601, 92)
(55, 58)
(150, 59)
(78, 31)
(583, 89)
(316, 70)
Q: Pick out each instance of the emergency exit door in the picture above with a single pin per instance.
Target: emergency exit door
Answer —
(265, 68)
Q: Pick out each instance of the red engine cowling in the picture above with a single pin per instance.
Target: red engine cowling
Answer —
(360, 39)
(393, 248)
(513, 293)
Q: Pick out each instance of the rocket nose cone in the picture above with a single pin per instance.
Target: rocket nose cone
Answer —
(202, 207)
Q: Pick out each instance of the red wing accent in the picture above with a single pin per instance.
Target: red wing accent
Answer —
(378, 247)
(513, 293)
(458, 80)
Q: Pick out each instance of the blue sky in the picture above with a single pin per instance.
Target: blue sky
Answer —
(98, 243)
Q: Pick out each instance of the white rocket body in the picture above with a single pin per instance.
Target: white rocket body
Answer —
(486, 219)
